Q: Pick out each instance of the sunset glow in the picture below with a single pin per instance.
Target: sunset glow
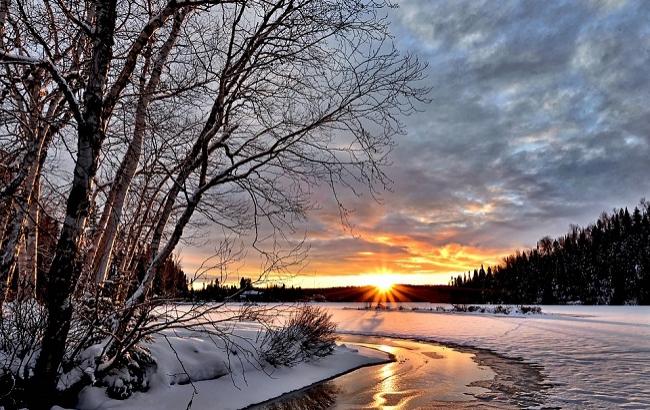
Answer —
(383, 284)
(379, 261)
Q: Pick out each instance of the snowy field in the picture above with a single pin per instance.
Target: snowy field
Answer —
(225, 374)
(596, 356)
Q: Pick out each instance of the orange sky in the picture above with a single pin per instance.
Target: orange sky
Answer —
(405, 243)
(362, 258)
(419, 264)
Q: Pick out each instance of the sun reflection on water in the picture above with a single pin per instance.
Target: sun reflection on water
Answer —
(424, 376)
(386, 387)
(389, 395)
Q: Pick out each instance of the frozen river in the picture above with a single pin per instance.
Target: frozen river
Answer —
(423, 376)
(594, 356)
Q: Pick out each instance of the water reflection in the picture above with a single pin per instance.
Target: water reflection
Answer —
(423, 375)
(387, 386)
(388, 394)
(319, 397)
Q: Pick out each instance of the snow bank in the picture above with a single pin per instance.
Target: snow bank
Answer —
(194, 359)
(224, 373)
(512, 310)
(597, 357)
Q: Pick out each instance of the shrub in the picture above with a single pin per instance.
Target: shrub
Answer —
(530, 309)
(309, 332)
(131, 376)
(504, 310)
(21, 329)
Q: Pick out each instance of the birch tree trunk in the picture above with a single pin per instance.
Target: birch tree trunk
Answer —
(65, 268)
(25, 212)
(120, 188)
(28, 266)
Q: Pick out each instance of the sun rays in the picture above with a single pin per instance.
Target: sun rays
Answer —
(383, 284)
(383, 288)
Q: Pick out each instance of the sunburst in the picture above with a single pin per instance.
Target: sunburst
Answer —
(383, 284)
(383, 288)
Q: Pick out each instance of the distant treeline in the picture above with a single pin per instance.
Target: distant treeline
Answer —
(215, 291)
(605, 263)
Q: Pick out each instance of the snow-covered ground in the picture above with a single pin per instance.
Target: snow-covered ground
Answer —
(597, 356)
(224, 374)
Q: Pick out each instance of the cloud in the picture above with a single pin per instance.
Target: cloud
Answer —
(537, 111)
(539, 119)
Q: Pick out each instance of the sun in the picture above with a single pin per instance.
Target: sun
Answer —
(383, 288)
(383, 284)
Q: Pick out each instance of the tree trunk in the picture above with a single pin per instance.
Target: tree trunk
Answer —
(65, 269)
(10, 250)
(23, 206)
(119, 190)
(26, 205)
(29, 261)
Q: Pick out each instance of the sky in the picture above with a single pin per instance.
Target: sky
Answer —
(539, 118)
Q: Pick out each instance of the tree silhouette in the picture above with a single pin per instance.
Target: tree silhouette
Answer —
(607, 262)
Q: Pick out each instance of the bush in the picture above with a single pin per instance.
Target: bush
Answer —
(309, 332)
(504, 310)
(21, 329)
(459, 308)
(530, 309)
(133, 375)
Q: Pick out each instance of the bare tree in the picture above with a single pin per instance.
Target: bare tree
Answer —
(231, 109)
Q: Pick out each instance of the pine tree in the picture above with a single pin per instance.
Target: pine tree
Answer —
(607, 262)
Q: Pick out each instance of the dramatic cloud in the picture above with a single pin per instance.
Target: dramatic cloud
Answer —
(539, 119)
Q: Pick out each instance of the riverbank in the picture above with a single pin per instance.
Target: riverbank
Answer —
(195, 370)
(317, 395)
(577, 356)
(424, 375)
(593, 356)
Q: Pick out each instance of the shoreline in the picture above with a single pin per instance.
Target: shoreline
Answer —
(391, 359)
(513, 375)
(513, 380)
(388, 308)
